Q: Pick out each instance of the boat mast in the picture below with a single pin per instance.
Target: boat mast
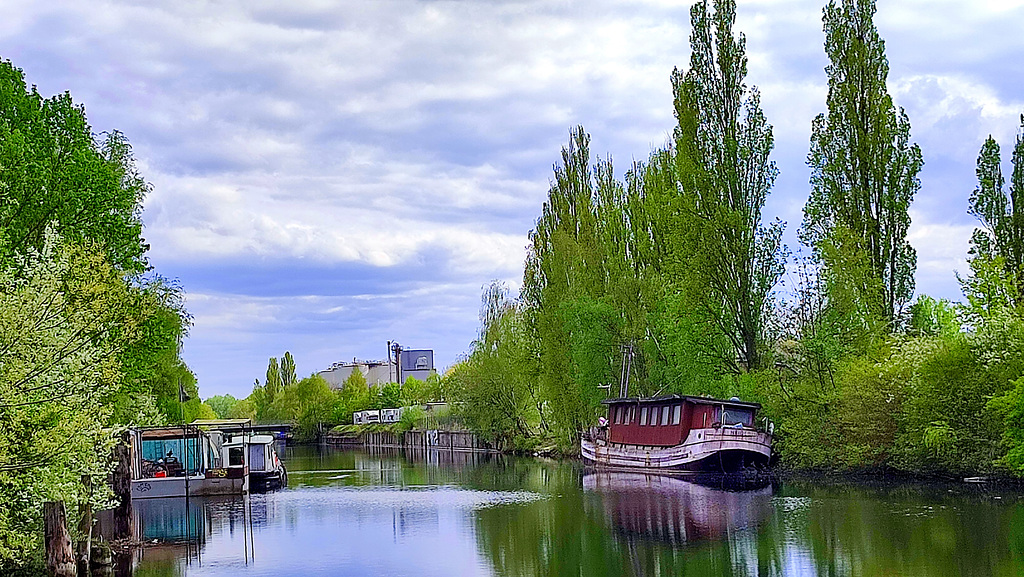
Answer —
(627, 366)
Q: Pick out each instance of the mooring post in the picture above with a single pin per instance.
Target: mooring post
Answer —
(122, 485)
(60, 557)
(85, 528)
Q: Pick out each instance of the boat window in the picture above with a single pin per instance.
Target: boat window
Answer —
(643, 416)
(632, 414)
(236, 457)
(618, 415)
(664, 414)
(732, 416)
(676, 414)
(654, 416)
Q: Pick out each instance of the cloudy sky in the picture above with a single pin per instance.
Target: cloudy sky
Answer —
(329, 175)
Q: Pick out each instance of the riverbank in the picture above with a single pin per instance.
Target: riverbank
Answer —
(393, 437)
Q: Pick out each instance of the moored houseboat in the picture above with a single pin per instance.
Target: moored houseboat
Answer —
(676, 434)
(266, 471)
(184, 461)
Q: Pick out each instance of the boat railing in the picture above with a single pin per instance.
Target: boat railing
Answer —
(724, 432)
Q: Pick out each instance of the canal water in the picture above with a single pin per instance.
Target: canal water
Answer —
(439, 514)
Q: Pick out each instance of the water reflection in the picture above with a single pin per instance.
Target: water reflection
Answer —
(432, 513)
(176, 532)
(674, 510)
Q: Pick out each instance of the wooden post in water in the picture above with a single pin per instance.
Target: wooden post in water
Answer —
(122, 485)
(85, 528)
(60, 557)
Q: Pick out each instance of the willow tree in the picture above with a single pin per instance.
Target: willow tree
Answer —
(997, 247)
(863, 171)
(723, 142)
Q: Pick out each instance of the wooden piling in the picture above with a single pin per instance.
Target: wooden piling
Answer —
(122, 485)
(85, 528)
(60, 557)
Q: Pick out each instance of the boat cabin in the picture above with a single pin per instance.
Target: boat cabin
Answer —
(181, 460)
(668, 420)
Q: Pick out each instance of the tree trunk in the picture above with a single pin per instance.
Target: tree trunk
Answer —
(60, 558)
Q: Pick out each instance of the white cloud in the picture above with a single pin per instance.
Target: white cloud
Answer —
(409, 145)
(941, 251)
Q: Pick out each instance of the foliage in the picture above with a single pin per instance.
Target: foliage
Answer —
(723, 142)
(863, 169)
(1009, 408)
(222, 405)
(243, 409)
(55, 174)
(933, 317)
(91, 337)
(65, 316)
(287, 370)
(496, 397)
(996, 254)
(314, 406)
(353, 396)
(411, 417)
(385, 396)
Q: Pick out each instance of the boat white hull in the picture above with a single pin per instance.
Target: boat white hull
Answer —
(703, 449)
(175, 487)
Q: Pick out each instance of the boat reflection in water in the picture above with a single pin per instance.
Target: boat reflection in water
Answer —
(671, 510)
(175, 532)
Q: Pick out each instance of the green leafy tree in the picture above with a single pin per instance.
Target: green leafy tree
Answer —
(65, 316)
(723, 142)
(287, 370)
(385, 396)
(567, 265)
(495, 396)
(56, 174)
(315, 404)
(243, 409)
(268, 398)
(1009, 408)
(996, 254)
(353, 396)
(414, 392)
(102, 349)
(222, 405)
(933, 317)
(274, 383)
(863, 169)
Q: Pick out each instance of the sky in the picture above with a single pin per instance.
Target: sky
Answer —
(328, 176)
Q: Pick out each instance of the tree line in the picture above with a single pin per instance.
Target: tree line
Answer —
(312, 405)
(90, 334)
(670, 277)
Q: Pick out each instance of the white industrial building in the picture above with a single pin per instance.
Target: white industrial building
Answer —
(414, 363)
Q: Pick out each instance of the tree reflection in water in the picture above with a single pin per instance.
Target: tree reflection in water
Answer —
(352, 513)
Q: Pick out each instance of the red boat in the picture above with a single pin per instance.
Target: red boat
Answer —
(676, 433)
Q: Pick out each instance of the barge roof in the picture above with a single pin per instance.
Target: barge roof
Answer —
(692, 399)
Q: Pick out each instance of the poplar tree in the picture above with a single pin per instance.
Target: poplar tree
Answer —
(566, 280)
(723, 141)
(997, 247)
(863, 170)
(288, 376)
